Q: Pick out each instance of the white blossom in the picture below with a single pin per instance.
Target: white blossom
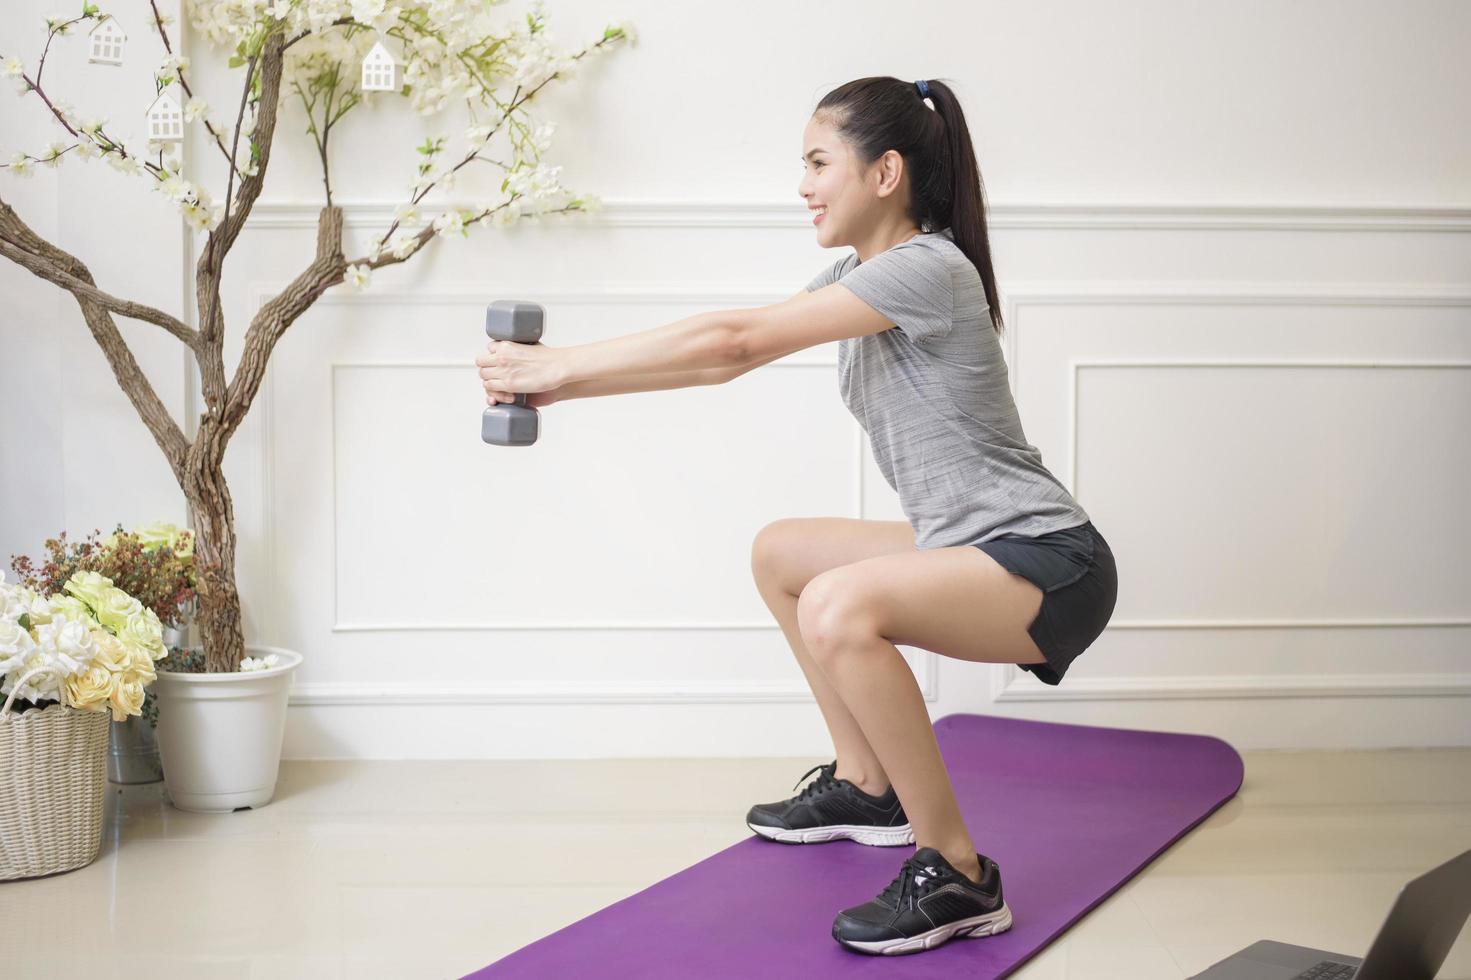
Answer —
(52, 156)
(14, 67)
(403, 243)
(177, 189)
(541, 137)
(195, 108)
(356, 276)
(170, 68)
(20, 165)
(201, 218)
(367, 11)
(92, 127)
(507, 215)
(123, 164)
(448, 222)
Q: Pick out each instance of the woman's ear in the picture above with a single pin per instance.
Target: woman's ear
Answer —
(890, 171)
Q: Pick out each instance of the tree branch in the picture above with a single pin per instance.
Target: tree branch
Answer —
(22, 241)
(20, 244)
(280, 312)
(208, 272)
(265, 127)
(136, 311)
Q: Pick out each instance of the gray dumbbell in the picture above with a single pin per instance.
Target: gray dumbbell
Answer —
(512, 424)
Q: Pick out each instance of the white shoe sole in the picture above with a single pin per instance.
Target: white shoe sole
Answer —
(972, 928)
(875, 836)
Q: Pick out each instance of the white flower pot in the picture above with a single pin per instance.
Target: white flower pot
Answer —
(220, 735)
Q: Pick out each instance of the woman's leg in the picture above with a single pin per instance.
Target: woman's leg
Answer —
(786, 555)
(957, 602)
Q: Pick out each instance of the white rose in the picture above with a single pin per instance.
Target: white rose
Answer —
(116, 608)
(15, 645)
(144, 632)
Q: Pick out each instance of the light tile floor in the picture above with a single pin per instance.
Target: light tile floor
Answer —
(411, 870)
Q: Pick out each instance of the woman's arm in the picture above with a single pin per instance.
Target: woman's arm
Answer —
(705, 340)
(591, 387)
(660, 380)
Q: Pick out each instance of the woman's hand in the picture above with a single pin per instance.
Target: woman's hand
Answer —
(523, 368)
(503, 364)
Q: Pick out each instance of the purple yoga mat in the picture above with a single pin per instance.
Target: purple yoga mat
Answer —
(1069, 812)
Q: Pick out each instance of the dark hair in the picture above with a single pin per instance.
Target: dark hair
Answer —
(882, 113)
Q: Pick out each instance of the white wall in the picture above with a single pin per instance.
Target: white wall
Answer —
(1234, 244)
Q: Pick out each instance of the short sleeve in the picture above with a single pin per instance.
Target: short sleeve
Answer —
(826, 277)
(911, 285)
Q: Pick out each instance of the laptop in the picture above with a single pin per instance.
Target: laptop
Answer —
(1412, 943)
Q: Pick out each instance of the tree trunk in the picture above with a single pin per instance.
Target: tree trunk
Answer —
(214, 550)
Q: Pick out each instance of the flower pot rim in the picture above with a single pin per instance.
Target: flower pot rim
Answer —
(292, 658)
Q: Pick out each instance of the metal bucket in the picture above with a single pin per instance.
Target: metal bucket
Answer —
(132, 749)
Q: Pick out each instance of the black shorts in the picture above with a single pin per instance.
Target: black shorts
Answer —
(1074, 568)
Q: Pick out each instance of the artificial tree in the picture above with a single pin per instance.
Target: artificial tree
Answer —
(311, 50)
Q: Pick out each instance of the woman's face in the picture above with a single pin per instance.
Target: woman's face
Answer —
(857, 199)
(829, 180)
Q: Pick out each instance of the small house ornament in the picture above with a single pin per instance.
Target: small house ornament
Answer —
(107, 41)
(381, 71)
(165, 121)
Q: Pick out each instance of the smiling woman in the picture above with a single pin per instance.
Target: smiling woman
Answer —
(1003, 564)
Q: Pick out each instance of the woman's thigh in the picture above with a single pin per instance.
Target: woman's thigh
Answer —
(790, 552)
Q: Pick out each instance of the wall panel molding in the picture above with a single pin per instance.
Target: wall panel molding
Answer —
(726, 213)
(1011, 683)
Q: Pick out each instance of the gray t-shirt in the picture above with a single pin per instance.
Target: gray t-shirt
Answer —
(934, 397)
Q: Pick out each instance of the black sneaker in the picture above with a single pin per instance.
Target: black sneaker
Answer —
(928, 903)
(833, 809)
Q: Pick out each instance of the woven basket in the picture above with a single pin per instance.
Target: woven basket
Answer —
(53, 770)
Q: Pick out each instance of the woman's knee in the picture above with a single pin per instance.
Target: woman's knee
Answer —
(769, 551)
(831, 614)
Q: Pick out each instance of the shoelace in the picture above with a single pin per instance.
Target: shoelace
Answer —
(907, 883)
(821, 784)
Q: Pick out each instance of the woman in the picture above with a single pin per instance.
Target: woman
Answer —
(997, 563)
